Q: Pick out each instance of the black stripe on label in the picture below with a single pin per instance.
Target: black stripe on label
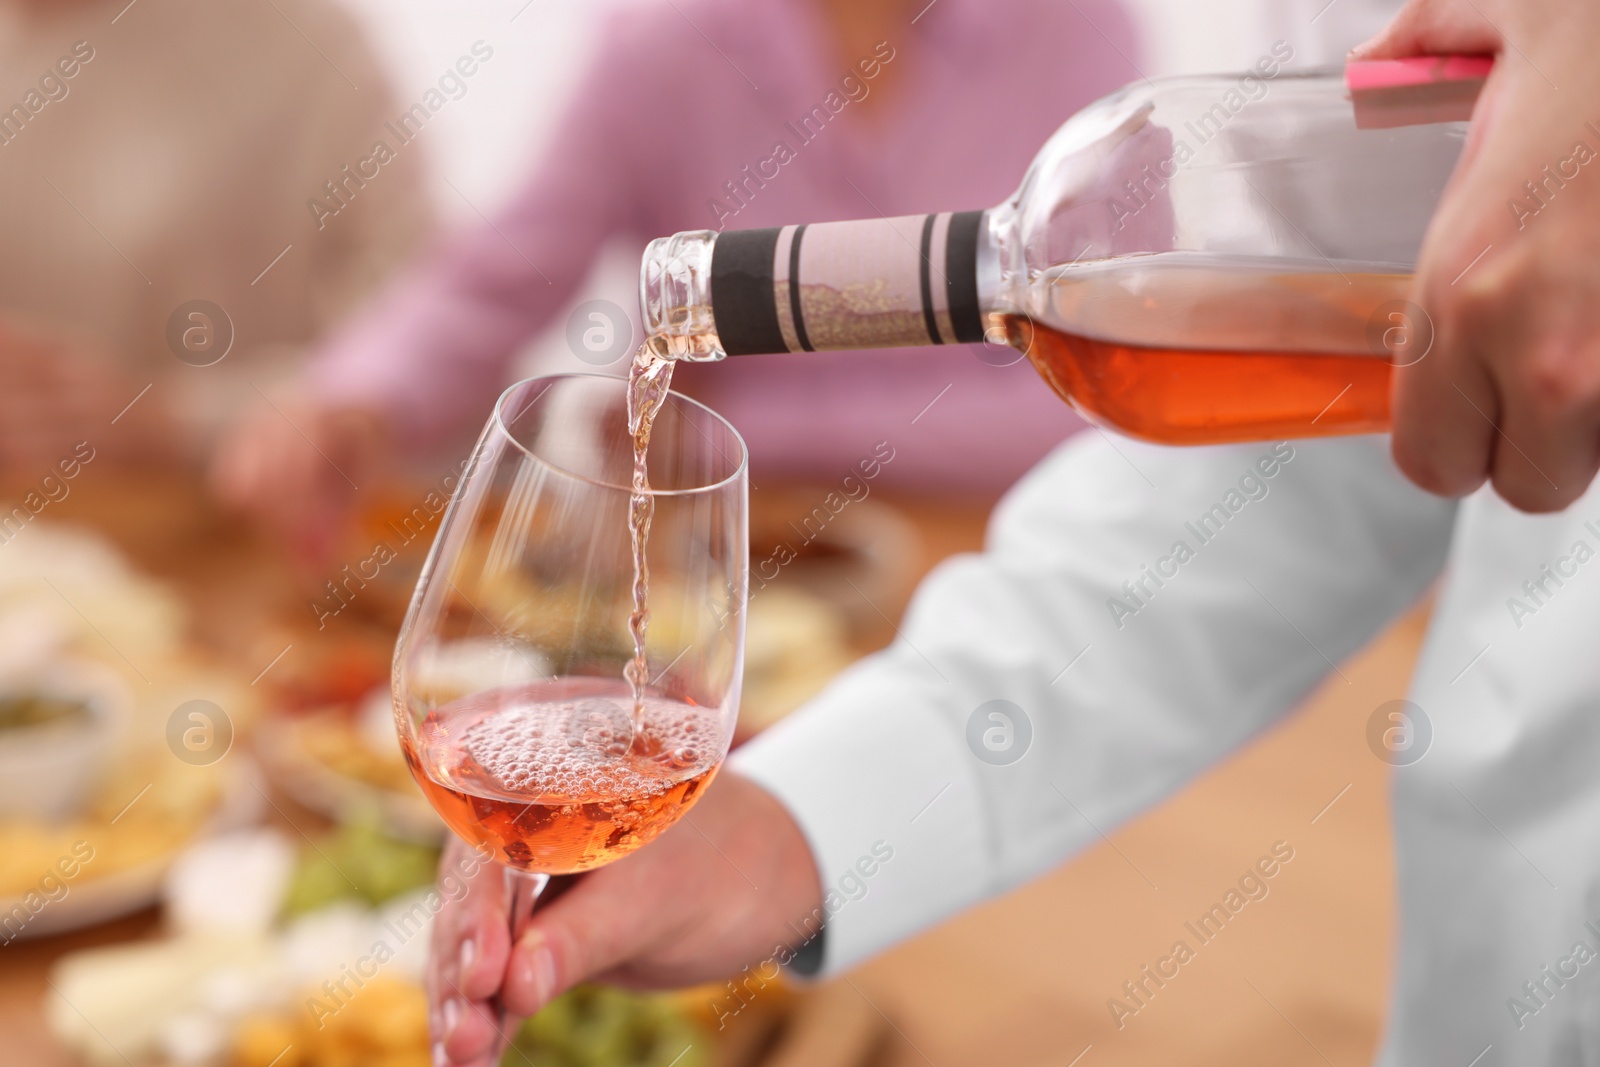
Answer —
(794, 291)
(927, 280)
(925, 269)
(961, 275)
(742, 299)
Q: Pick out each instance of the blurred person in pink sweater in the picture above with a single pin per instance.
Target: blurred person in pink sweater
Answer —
(711, 113)
(162, 266)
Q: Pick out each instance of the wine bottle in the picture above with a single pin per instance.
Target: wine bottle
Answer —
(1189, 260)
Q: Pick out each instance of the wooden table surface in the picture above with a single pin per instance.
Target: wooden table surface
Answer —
(1298, 978)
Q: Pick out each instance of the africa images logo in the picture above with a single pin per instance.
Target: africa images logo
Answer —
(999, 732)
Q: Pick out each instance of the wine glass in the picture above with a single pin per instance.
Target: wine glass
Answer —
(511, 698)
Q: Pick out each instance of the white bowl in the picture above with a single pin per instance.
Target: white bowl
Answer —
(48, 771)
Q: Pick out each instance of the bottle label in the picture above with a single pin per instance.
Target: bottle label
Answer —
(1412, 92)
(873, 283)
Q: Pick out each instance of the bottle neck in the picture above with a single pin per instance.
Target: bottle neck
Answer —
(871, 283)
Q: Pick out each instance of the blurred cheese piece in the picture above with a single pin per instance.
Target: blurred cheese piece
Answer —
(112, 1004)
(230, 884)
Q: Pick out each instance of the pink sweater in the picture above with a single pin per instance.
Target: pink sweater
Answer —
(681, 98)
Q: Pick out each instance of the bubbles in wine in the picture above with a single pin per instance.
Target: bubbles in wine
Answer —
(587, 748)
(558, 776)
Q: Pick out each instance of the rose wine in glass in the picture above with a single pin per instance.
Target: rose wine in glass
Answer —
(603, 782)
(555, 720)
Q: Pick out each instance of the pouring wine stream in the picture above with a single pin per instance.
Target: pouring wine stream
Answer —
(649, 380)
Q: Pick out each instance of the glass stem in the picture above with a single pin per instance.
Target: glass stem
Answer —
(522, 893)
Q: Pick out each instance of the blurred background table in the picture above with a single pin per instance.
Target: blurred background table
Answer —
(1299, 978)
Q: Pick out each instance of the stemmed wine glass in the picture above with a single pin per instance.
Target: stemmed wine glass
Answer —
(511, 700)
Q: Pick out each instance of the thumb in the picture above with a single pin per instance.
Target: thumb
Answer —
(585, 932)
(1433, 28)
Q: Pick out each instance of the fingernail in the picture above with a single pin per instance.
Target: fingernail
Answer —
(469, 956)
(452, 1015)
(439, 1057)
(541, 966)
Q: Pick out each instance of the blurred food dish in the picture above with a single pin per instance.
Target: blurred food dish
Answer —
(58, 725)
(104, 778)
(291, 951)
(862, 558)
(795, 642)
(110, 860)
(358, 863)
(344, 763)
(320, 967)
(593, 1026)
(385, 1025)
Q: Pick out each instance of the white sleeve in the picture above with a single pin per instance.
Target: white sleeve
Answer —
(897, 773)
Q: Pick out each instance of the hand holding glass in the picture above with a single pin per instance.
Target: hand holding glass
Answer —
(510, 695)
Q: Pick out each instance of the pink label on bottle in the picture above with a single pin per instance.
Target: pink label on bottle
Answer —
(1416, 91)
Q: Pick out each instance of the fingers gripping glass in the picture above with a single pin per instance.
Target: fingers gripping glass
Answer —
(510, 698)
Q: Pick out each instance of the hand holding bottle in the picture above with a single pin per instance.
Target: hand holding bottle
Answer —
(1508, 273)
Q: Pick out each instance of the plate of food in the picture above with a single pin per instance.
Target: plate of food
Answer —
(286, 951)
(108, 860)
(95, 800)
(340, 761)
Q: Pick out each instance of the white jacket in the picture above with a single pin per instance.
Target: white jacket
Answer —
(1130, 688)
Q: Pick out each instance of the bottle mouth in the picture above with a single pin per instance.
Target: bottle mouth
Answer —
(675, 297)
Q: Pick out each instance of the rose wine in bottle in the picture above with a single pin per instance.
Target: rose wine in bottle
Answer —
(1193, 260)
